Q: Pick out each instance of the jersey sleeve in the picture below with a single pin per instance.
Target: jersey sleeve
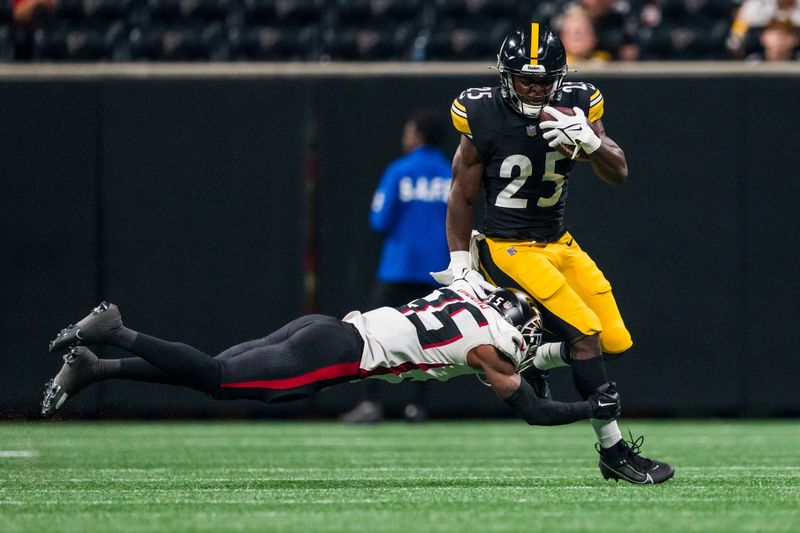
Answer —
(512, 349)
(472, 116)
(458, 113)
(508, 341)
(595, 103)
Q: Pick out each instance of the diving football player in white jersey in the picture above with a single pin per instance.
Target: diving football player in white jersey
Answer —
(448, 333)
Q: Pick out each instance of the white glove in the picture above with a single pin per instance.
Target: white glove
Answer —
(464, 285)
(479, 285)
(570, 130)
(461, 269)
(458, 260)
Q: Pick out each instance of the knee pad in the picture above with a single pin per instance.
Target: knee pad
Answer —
(615, 341)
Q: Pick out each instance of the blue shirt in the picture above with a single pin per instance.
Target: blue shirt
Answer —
(409, 208)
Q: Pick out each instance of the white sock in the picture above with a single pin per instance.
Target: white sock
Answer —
(549, 356)
(607, 431)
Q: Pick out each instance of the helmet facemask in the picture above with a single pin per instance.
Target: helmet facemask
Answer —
(532, 335)
(530, 106)
(519, 310)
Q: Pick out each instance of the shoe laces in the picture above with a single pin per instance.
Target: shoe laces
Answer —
(634, 447)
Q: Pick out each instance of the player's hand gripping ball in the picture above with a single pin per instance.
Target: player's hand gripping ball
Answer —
(566, 148)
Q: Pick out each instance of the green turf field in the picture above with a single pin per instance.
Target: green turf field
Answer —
(451, 476)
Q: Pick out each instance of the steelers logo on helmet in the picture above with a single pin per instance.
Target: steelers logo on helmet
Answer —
(533, 55)
(519, 310)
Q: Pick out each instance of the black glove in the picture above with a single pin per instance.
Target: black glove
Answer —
(605, 402)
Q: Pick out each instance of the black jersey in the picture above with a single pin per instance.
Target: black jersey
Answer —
(525, 183)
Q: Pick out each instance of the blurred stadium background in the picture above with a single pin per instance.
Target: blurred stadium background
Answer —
(218, 197)
(372, 30)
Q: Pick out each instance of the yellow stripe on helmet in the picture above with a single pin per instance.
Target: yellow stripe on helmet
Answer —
(534, 43)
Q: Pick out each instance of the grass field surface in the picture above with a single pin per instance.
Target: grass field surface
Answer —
(442, 476)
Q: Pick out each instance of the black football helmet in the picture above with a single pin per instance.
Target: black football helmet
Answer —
(519, 310)
(531, 50)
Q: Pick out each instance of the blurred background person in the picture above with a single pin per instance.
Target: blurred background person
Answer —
(28, 12)
(780, 41)
(408, 209)
(28, 15)
(614, 25)
(753, 17)
(577, 33)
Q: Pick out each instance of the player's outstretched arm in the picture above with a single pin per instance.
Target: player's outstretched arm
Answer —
(519, 395)
(468, 171)
(468, 168)
(608, 161)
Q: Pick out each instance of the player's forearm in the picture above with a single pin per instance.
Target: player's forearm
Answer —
(609, 163)
(458, 223)
(468, 170)
(519, 395)
(538, 412)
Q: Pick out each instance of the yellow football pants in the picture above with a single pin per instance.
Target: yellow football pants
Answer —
(574, 296)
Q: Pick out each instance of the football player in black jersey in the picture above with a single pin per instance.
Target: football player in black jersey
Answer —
(522, 164)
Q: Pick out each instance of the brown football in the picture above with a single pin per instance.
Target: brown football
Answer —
(544, 115)
(564, 149)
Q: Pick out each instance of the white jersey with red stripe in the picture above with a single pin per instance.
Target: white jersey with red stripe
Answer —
(429, 338)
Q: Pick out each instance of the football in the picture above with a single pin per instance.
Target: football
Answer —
(544, 115)
(566, 150)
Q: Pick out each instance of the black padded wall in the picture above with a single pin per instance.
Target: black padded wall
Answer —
(183, 201)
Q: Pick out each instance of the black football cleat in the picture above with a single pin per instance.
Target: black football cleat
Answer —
(75, 375)
(623, 461)
(540, 381)
(96, 327)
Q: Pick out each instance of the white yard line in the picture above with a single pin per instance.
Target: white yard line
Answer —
(18, 453)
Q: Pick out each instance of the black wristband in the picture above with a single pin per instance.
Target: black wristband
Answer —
(539, 412)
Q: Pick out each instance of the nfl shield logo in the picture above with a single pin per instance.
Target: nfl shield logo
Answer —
(531, 130)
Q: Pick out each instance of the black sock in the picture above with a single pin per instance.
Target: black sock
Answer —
(617, 451)
(134, 368)
(588, 375)
(195, 368)
(124, 338)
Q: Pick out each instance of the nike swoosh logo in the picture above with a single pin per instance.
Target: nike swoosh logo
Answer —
(601, 404)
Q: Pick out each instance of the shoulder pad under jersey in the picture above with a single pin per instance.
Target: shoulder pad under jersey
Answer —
(467, 107)
(583, 95)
